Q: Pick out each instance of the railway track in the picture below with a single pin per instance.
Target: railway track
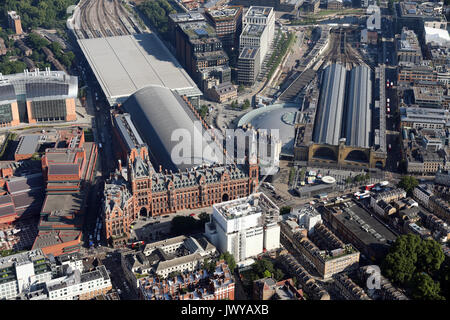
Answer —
(102, 22)
(117, 9)
(112, 30)
(125, 14)
(100, 25)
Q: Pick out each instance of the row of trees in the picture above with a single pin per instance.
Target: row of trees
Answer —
(417, 265)
(358, 178)
(157, 12)
(47, 14)
(243, 106)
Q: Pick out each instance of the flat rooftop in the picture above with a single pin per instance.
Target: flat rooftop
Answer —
(125, 64)
(255, 203)
(28, 144)
(257, 11)
(355, 219)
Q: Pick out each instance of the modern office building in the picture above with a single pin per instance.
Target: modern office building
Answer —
(258, 29)
(40, 96)
(198, 47)
(32, 275)
(176, 19)
(227, 21)
(248, 65)
(245, 227)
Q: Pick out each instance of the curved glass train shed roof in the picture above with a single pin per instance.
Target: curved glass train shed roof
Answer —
(327, 128)
(164, 120)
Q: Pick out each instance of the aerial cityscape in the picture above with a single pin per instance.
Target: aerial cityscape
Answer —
(240, 150)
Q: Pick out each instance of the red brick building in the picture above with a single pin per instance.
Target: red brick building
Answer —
(66, 169)
(198, 285)
(143, 189)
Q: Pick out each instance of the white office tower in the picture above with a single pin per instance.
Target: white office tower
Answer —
(245, 227)
(258, 29)
(307, 216)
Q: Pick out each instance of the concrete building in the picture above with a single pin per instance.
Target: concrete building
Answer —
(14, 22)
(307, 216)
(422, 194)
(258, 29)
(40, 96)
(428, 118)
(244, 227)
(80, 286)
(178, 254)
(248, 65)
(32, 275)
(255, 36)
(176, 19)
(408, 49)
(197, 285)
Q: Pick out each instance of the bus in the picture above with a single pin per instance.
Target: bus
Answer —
(370, 186)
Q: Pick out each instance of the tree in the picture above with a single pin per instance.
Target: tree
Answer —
(408, 183)
(36, 41)
(246, 104)
(267, 274)
(430, 256)
(411, 262)
(229, 259)
(241, 88)
(279, 275)
(285, 210)
(425, 288)
(203, 111)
